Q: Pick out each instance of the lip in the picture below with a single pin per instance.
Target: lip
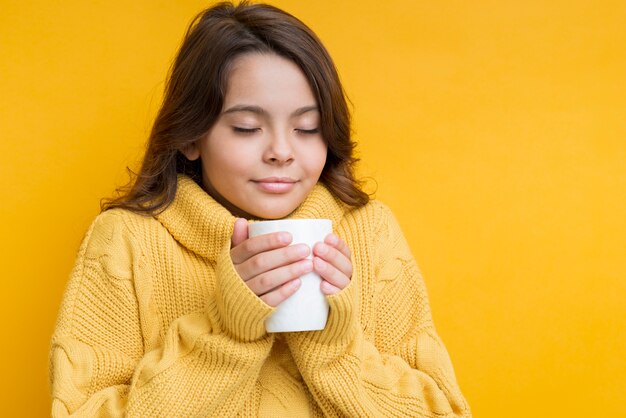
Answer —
(275, 180)
(275, 185)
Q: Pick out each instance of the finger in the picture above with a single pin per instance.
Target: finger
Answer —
(330, 273)
(329, 289)
(270, 260)
(279, 295)
(266, 282)
(240, 232)
(333, 256)
(334, 241)
(255, 245)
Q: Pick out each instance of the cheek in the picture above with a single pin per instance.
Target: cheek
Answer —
(316, 157)
(226, 166)
(226, 157)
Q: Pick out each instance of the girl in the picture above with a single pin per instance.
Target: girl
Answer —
(164, 312)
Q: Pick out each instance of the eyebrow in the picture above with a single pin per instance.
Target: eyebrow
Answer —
(262, 112)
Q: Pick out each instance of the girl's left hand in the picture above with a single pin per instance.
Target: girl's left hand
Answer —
(332, 261)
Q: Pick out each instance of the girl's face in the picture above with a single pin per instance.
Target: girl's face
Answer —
(265, 152)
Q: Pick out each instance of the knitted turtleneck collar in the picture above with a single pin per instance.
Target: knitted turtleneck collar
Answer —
(203, 225)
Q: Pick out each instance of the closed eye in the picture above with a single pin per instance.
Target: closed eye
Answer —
(308, 131)
(245, 130)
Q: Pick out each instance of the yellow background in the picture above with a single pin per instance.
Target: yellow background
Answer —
(496, 131)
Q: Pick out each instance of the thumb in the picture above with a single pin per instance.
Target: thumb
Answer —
(240, 232)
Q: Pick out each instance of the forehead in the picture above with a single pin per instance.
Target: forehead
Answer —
(267, 79)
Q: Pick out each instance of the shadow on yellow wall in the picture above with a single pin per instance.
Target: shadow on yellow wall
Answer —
(495, 130)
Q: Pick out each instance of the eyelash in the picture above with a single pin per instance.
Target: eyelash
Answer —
(244, 130)
(252, 130)
(308, 131)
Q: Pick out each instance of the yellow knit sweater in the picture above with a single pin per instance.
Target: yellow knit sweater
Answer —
(155, 322)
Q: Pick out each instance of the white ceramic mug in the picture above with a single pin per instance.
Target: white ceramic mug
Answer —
(307, 309)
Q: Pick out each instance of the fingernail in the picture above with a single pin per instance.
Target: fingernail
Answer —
(303, 249)
(320, 264)
(333, 239)
(322, 249)
(307, 266)
(284, 237)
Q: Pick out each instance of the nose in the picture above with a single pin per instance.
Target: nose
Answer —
(279, 149)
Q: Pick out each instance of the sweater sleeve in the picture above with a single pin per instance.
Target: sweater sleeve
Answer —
(206, 365)
(404, 369)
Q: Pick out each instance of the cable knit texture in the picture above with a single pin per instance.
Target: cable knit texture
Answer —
(156, 322)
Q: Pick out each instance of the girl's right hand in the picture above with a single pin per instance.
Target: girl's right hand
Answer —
(267, 264)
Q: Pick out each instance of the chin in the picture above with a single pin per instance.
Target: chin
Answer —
(272, 214)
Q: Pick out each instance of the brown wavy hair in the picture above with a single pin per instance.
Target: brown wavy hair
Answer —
(195, 91)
